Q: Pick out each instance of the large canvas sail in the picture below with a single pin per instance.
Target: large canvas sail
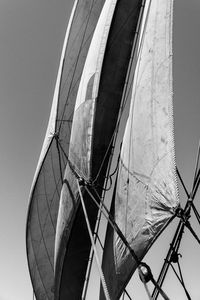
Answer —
(47, 183)
(95, 117)
(146, 192)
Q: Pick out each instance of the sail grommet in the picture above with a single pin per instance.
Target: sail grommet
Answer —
(145, 273)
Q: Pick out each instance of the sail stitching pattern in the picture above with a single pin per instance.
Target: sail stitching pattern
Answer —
(38, 172)
(38, 269)
(29, 229)
(47, 202)
(42, 238)
(54, 176)
(42, 235)
(83, 46)
(64, 108)
(43, 228)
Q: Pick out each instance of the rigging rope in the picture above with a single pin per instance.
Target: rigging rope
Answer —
(180, 278)
(97, 229)
(59, 159)
(188, 225)
(132, 252)
(197, 164)
(72, 168)
(183, 184)
(93, 244)
(127, 294)
(112, 223)
(196, 213)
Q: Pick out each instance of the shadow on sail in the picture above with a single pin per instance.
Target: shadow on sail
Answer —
(146, 196)
(47, 183)
(93, 129)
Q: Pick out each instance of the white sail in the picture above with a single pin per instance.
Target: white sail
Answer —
(94, 123)
(47, 183)
(146, 194)
(82, 128)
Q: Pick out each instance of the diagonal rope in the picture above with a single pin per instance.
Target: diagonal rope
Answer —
(139, 264)
(196, 212)
(97, 228)
(180, 278)
(127, 294)
(197, 165)
(182, 182)
(188, 225)
(93, 244)
(112, 222)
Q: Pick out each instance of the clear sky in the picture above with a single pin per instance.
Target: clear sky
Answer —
(31, 37)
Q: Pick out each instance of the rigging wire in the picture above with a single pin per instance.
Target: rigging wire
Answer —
(196, 185)
(180, 278)
(139, 264)
(72, 167)
(184, 215)
(111, 221)
(92, 252)
(127, 294)
(196, 212)
(182, 182)
(93, 244)
(188, 225)
(98, 225)
(197, 164)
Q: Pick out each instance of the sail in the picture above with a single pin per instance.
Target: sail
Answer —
(94, 122)
(47, 183)
(146, 192)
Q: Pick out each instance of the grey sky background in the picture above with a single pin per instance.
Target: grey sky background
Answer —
(31, 37)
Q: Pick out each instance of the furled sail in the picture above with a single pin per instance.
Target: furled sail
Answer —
(47, 183)
(94, 122)
(146, 192)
